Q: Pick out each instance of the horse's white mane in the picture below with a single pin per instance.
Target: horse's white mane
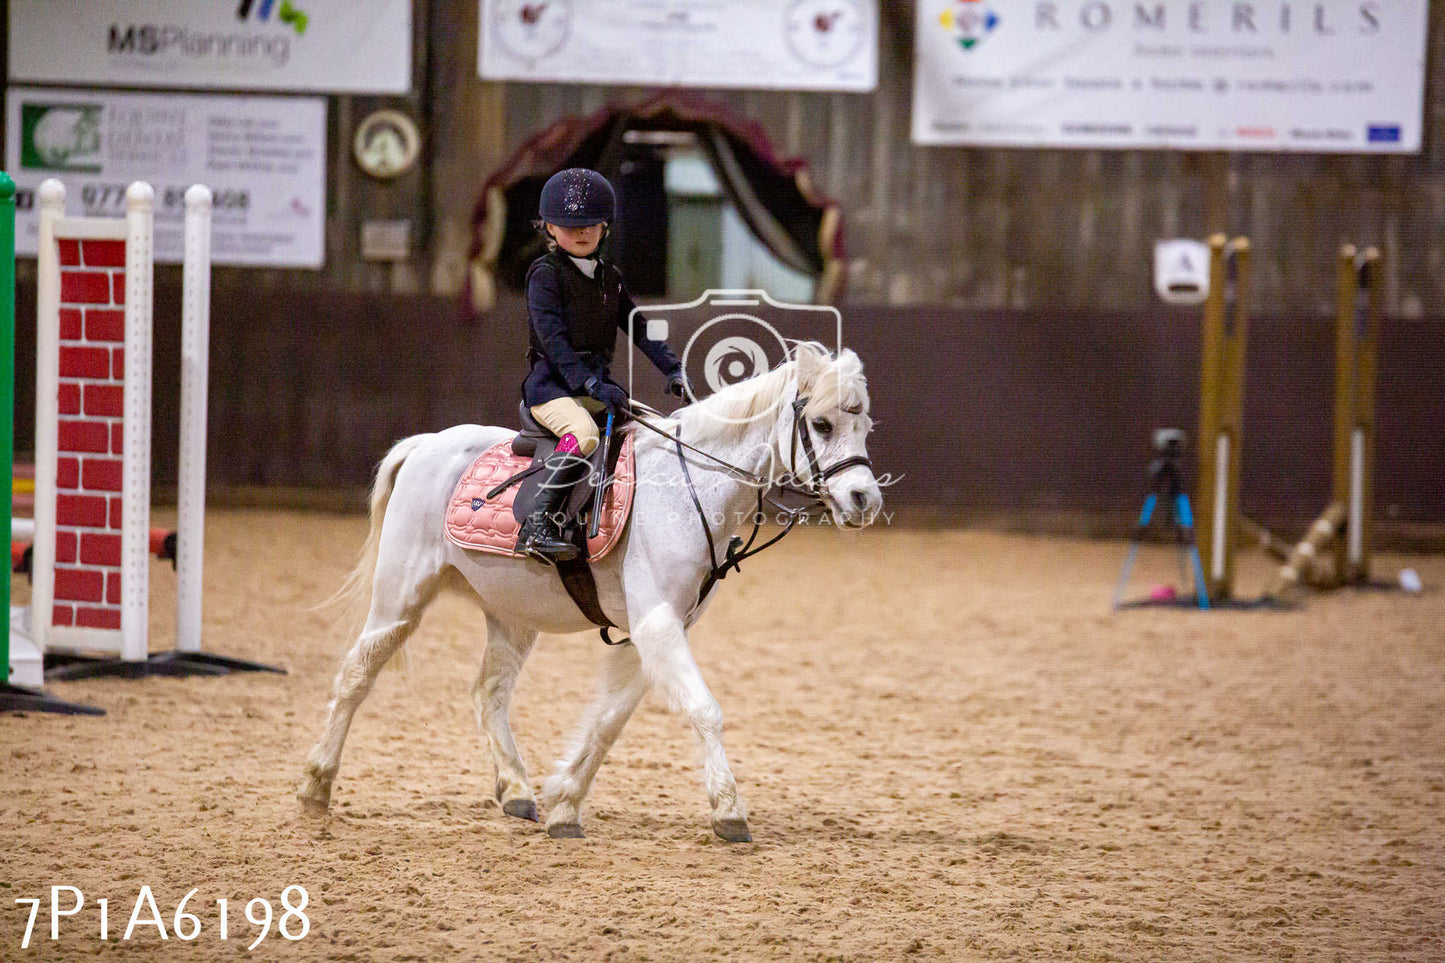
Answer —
(727, 416)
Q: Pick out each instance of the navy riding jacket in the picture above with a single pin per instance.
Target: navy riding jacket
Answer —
(574, 321)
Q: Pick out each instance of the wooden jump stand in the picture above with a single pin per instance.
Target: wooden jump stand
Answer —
(89, 612)
(1342, 533)
(1344, 527)
(1221, 412)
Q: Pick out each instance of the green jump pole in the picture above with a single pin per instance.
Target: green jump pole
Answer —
(7, 397)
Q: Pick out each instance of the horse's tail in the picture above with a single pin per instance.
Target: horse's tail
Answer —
(354, 595)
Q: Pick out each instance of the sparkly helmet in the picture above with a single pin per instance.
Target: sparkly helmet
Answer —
(577, 197)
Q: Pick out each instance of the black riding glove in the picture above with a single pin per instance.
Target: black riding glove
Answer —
(608, 393)
(677, 385)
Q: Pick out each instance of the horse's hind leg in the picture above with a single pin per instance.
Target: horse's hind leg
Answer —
(620, 687)
(395, 612)
(507, 649)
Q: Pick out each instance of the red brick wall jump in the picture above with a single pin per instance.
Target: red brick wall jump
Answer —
(88, 476)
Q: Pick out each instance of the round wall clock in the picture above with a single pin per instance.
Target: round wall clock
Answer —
(387, 144)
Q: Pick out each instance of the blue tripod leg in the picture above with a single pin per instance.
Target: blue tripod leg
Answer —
(1144, 517)
(1186, 519)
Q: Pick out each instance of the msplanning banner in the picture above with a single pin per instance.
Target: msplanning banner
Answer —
(264, 159)
(1343, 76)
(781, 44)
(351, 46)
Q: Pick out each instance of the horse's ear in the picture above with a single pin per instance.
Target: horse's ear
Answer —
(813, 360)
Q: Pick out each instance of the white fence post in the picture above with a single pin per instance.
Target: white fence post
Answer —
(195, 362)
(136, 471)
(47, 381)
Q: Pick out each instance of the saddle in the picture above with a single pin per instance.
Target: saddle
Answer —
(498, 490)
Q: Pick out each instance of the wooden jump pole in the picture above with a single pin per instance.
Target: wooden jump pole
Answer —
(1357, 333)
(195, 367)
(1221, 410)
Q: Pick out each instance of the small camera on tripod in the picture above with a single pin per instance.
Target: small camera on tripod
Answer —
(1169, 442)
(1166, 486)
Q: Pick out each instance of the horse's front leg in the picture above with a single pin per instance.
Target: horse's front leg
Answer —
(661, 642)
(621, 686)
(507, 649)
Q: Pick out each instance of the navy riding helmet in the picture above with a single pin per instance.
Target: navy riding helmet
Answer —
(577, 197)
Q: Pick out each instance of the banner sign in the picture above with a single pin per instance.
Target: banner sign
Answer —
(345, 46)
(782, 44)
(264, 159)
(1343, 76)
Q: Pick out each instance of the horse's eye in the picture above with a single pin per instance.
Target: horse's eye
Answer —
(823, 426)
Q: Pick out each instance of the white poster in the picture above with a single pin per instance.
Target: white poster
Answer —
(1244, 75)
(783, 44)
(352, 46)
(264, 159)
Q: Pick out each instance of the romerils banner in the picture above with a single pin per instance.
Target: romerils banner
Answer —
(1245, 75)
(264, 159)
(352, 46)
(779, 44)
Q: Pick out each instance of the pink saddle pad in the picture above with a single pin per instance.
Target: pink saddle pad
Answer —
(485, 524)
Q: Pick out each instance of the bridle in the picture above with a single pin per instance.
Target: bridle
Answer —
(817, 476)
(812, 488)
(737, 550)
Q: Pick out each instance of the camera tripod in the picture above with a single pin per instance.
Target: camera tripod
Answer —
(1165, 482)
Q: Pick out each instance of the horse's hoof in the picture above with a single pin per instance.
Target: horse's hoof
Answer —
(733, 829)
(521, 808)
(565, 831)
(311, 806)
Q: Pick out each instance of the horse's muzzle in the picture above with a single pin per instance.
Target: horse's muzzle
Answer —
(858, 506)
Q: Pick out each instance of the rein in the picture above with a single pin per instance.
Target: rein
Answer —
(737, 550)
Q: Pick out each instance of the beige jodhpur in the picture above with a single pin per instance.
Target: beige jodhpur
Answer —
(562, 416)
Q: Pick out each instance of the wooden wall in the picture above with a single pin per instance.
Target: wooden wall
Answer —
(958, 227)
(978, 411)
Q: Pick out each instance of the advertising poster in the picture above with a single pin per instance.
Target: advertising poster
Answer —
(1289, 75)
(262, 157)
(341, 46)
(791, 45)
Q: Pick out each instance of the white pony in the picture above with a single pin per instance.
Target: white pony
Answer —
(648, 585)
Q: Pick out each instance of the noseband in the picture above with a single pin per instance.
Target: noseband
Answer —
(816, 476)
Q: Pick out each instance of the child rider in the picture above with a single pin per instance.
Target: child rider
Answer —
(576, 302)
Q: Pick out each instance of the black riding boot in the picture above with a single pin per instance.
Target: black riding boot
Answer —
(541, 534)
